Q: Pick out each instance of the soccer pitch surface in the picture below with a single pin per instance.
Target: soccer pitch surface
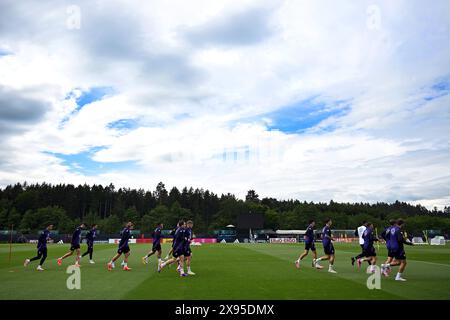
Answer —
(223, 271)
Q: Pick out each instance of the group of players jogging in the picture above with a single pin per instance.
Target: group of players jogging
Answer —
(392, 235)
(180, 252)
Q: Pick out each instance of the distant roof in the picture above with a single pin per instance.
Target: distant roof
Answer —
(290, 231)
(265, 231)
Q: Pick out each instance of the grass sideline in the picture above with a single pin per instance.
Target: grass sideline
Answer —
(224, 271)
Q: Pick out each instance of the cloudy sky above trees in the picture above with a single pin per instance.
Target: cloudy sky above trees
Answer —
(315, 100)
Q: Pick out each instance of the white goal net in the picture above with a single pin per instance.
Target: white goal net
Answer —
(438, 241)
(418, 241)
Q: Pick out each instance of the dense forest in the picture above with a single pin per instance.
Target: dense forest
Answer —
(29, 207)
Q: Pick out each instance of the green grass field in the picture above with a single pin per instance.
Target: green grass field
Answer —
(224, 271)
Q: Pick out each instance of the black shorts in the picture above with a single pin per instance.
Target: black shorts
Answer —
(369, 252)
(399, 254)
(391, 253)
(310, 246)
(42, 251)
(74, 247)
(123, 250)
(178, 253)
(328, 249)
(156, 247)
(187, 252)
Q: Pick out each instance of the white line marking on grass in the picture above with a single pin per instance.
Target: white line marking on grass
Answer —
(427, 262)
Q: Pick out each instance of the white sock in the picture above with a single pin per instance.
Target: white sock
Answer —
(399, 275)
(318, 259)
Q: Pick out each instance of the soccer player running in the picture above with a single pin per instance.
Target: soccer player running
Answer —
(124, 248)
(397, 242)
(309, 245)
(385, 235)
(179, 241)
(327, 247)
(187, 247)
(369, 253)
(360, 232)
(172, 233)
(41, 248)
(74, 246)
(90, 236)
(156, 247)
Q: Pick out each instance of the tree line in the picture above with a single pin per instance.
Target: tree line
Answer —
(29, 207)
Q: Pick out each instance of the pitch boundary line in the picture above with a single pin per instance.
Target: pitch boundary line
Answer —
(427, 262)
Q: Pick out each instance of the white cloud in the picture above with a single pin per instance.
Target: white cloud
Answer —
(191, 79)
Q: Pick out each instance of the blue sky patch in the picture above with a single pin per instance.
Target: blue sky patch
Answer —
(92, 95)
(4, 52)
(304, 115)
(442, 85)
(123, 124)
(439, 89)
(82, 163)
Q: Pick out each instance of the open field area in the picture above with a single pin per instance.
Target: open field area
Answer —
(223, 271)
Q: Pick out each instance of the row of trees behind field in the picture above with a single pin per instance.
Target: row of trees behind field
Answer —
(29, 207)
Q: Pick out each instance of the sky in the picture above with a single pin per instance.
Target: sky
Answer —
(312, 100)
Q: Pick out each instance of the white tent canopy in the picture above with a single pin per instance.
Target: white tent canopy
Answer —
(284, 232)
